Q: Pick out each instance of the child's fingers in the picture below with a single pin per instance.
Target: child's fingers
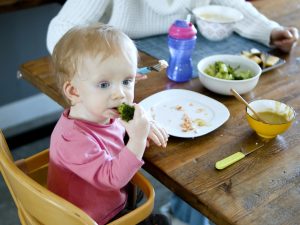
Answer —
(163, 136)
(158, 135)
(140, 77)
(162, 130)
(138, 110)
(155, 139)
(124, 123)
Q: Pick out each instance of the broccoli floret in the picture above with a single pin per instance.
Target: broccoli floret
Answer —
(210, 70)
(222, 67)
(126, 111)
(222, 71)
(243, 74)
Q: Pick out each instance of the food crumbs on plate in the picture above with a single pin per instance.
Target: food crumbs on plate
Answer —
(191, 104)
(179, 107)
(187, 124)
(199, 110)
(152, 113)
(200, 122)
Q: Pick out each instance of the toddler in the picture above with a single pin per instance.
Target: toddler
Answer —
(90, 165)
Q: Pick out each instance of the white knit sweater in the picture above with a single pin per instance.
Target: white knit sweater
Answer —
(142, 18)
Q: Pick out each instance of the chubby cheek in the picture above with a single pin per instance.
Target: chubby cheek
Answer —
(130, 95)
(98, 110)
(97, 104)
(101, 114)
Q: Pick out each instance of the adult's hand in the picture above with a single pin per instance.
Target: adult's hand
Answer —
(284, 38)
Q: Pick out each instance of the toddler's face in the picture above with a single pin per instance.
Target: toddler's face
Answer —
(104, 85)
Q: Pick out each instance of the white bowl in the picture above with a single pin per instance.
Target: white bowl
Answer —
(222, 86)
(216, 22)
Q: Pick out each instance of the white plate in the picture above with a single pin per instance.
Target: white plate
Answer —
(278, 64)
(162, 107)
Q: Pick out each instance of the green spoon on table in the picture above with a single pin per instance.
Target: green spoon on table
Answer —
(222, 164)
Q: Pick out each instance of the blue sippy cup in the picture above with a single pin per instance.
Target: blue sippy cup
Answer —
(181, 41)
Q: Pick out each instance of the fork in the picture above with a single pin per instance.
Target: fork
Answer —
(162, 64)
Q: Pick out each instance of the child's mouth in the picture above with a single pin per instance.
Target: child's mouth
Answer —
(115, 111)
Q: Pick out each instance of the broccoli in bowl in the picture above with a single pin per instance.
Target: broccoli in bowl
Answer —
(224, 71)
(220, 73)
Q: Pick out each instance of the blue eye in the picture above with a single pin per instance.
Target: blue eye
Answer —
(127, 82)
(104, 85)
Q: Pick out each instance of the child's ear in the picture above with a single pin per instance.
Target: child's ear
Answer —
(71, 92)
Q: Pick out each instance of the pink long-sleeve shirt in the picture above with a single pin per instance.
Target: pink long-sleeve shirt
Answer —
(90, 166)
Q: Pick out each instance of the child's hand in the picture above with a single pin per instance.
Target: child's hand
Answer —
(158, 134)
(139, 77)
(137, 129)
(139, 126)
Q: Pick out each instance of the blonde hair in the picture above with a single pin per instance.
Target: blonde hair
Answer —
(96, 40)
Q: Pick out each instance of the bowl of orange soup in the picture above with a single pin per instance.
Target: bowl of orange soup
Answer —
(277, 117)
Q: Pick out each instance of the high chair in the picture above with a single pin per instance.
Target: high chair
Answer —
(26, 180)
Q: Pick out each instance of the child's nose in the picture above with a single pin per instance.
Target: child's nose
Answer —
(118, 93)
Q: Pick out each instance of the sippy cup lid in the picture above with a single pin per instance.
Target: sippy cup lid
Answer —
(182, 29)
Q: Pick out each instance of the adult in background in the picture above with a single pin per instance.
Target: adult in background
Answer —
(145, 18)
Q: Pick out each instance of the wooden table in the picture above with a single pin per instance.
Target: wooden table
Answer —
(13, 5)
(263, 188)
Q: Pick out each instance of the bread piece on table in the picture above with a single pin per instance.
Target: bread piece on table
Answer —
(271, 60)
(246, 53)
(264, 58)
(256, 59)
(255, 51)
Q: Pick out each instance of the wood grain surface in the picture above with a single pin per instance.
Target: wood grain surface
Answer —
(13, 5)
(261, 189)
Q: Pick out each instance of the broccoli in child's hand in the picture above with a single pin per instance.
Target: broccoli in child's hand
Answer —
(126, 111)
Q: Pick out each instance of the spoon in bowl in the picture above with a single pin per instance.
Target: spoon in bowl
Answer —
(242, 100)
(190, 12)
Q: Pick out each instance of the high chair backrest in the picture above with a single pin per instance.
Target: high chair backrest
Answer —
(37, 205)
(26, 180)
